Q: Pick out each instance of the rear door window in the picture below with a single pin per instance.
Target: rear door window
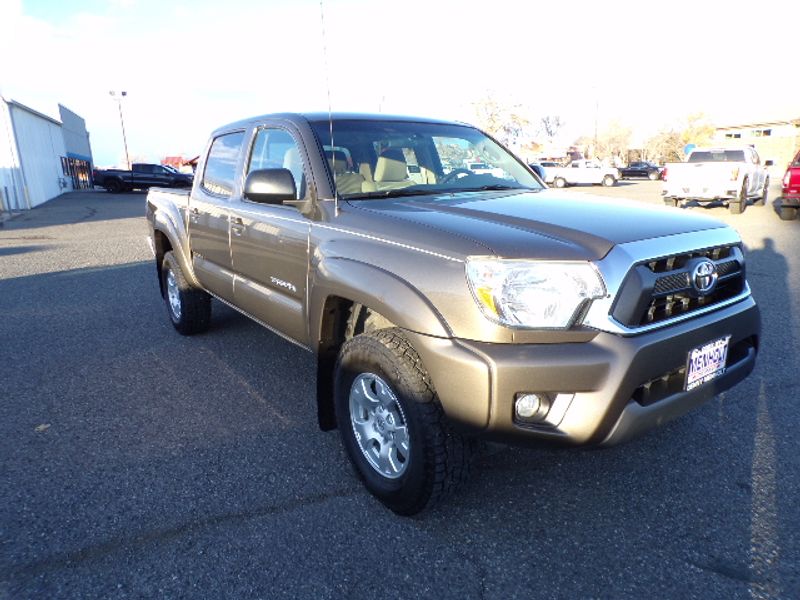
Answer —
(219, 175)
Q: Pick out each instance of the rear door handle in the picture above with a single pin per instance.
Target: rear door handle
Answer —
(237, 226)
(194, 215)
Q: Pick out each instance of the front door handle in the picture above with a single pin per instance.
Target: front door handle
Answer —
(194, 215)
(237, 226)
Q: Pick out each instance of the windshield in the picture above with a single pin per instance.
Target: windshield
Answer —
(378, 159)
(717, 156)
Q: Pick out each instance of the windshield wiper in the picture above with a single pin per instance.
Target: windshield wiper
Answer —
(494, 187)
(391, 194)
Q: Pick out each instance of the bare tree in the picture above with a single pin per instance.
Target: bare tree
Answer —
(664, 146)
(502, 121)
(550, 126)
(697, 129)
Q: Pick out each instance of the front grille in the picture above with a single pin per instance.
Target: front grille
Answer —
(660, 289)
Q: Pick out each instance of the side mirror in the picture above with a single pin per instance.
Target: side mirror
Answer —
(270, 186)
(768, 163)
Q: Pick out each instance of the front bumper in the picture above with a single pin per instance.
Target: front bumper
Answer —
(619, 386)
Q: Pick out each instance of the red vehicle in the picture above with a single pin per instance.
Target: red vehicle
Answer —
(790, 196)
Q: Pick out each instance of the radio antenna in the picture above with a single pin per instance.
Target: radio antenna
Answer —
(330, 113)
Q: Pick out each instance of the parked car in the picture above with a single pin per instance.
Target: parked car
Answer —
(467, 306)
(538, 169)
(142, 176)
(730, 175)
(582, 172)
(790, 194)
(641, 169)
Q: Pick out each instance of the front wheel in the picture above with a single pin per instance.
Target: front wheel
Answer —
(560, 182)
(608, 181)
(762, 200)
(787, 213)
(654, 176)
(671, 202)
(392, 426)
(189, 308)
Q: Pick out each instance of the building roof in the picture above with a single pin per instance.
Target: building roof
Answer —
(28, 109)
(795, 122)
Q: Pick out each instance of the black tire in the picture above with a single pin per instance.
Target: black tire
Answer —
(560, 182)
(762, 200)
(608, 181)
(736, 206)
(192, 313)
(438, 458)
(787, 213)
(671, 202)
(113, 186)
(653, 176)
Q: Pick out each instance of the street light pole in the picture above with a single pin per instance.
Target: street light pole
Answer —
(122, 122)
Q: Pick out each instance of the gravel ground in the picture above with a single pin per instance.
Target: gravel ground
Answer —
(138, 463)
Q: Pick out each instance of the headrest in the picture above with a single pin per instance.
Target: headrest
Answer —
(337, 161)
(391, 166)
(291, 160)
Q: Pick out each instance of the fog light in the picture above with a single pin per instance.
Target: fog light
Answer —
(531, 407)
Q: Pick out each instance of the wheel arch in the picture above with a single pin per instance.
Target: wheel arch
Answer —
(166, 238)
(349, 297)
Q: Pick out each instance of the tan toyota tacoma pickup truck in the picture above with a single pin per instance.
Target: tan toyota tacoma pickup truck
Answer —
(445, 306)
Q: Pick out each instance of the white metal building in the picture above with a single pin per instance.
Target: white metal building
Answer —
(35, 164)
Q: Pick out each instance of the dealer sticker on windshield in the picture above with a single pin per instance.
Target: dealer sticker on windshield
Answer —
(706, 363)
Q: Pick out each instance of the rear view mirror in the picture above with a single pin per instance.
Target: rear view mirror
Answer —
(768, 163)
(270, 186)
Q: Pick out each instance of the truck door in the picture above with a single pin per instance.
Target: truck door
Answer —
(209, 210)
(269, 243)
(141, 175)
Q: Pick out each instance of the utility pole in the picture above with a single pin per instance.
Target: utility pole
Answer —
(118, 98)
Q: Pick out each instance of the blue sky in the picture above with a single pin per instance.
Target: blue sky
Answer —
(190, 66)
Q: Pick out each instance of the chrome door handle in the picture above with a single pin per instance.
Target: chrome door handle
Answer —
(237, 226)
(194, 215)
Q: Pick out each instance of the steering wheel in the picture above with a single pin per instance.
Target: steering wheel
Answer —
(454, 173)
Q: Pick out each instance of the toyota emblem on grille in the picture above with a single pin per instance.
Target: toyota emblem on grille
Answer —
(704, 276)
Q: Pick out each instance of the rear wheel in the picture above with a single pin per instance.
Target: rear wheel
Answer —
(189, 308)
(736, 207)
(609, 180)
(560, 182)
(393, 429)
(114, 186)
(787, 213)
(671, 201)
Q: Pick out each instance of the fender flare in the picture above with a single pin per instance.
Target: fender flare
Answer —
(376, 289)
(163, 222)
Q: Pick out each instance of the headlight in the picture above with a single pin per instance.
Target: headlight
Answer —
(533, 294)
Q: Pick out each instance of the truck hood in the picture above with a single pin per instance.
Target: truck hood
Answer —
(550, 224)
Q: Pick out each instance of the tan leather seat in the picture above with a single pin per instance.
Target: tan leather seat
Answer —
(391, 171)
(347, 182)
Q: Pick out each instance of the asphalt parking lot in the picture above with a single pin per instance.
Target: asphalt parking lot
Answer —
(140, 463)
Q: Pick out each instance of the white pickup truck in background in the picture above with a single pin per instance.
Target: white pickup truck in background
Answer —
(581, 171)
(729, 175)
